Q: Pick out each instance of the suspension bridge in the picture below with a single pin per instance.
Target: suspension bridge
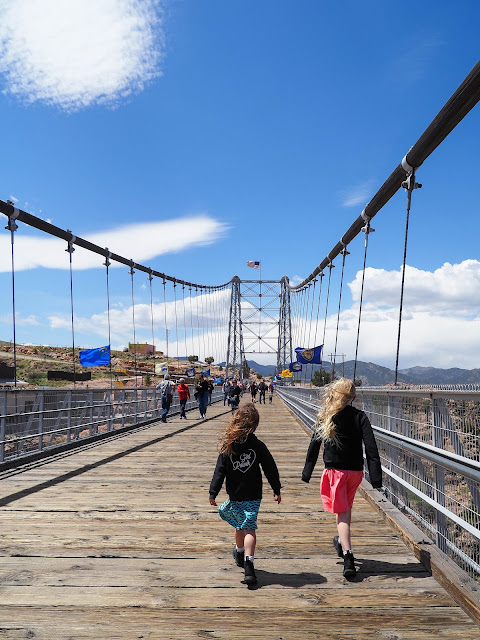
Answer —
(106, 528)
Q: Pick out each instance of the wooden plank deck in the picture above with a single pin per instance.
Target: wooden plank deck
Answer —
(117, 541)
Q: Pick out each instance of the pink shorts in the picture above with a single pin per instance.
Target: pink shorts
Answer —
(338, 488)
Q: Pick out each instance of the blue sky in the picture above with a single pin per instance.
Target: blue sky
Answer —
(194, 135)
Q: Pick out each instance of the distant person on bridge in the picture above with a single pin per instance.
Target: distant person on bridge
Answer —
(184, 395)
(166, 388)
(226, 391)
(342, 428)
(201, 394)
(262, 389)
(235, 392)
(211, 387)
(241, 456)
(271, 389)
(253, 391)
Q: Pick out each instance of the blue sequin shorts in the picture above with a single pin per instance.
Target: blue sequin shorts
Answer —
(241, 515)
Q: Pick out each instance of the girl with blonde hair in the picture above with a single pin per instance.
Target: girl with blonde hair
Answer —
(344, 432)
(241, 456)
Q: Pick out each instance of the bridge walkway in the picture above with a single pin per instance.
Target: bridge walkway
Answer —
(117, 541)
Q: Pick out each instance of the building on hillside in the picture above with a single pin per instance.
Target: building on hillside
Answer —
(144, 349)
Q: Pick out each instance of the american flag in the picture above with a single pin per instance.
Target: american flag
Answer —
(255, 264)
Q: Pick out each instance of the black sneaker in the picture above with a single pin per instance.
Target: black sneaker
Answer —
(349, 570)
(250, 577)
(338, 546)
(239, 557)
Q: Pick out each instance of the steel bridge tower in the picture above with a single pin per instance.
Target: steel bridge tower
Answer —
(259, 323)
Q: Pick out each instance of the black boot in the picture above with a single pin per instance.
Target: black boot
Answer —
(239, 557)
(338, 546)
(250, 577)
(349, 570)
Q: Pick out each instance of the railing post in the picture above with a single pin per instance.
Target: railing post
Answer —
(69, 415)
(41, 404)
(90, 402)
(441, 532)
(3, 420)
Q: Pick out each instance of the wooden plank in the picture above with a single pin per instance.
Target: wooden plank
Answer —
(118, 541)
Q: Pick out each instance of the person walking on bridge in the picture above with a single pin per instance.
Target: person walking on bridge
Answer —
(166, 390)
(241, 456)
(183, 395)
(342, 428)
(262, 389)
(201, 394)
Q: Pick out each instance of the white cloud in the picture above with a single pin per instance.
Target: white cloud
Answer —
(75, 53)
(440, 321)
(139, 242)
(450, 289)
(357, 195)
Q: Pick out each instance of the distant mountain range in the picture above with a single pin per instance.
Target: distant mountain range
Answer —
(376, 375)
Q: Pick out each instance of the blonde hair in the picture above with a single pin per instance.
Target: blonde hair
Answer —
(336, 396)
(244, 422)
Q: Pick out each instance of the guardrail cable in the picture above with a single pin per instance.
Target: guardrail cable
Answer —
(367, 230)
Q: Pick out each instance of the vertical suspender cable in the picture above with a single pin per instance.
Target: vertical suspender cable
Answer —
(310, 326)
(330, 266)
(191, 319)
(367, 230)
(165, 316)
(320, 275)
(150, 278)
(176, 319)
(131, 272)
(184, 321)
(70, 250)
(107, 264)
(409, 185)
(12, 227)
(344, 254)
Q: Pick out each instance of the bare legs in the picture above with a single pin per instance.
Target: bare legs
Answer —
(343, 525)
(246, 538)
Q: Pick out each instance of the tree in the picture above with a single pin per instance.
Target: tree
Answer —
(192, 358)
(259, 376)
(209, 360)
(358, 382)
(220, 368)
(320, 378)
(245, 369)
(148, 380)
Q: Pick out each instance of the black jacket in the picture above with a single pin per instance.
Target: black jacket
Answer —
(242, 471)
(352, 427)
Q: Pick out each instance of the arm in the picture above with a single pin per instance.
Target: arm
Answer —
(271, 471)
(218, 478)
(371, 452)
(311, 459)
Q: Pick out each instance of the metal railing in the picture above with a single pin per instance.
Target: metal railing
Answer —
(429, 444)
(36, 420)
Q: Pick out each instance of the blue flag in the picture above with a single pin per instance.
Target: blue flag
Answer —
(218, 380)
(309, 356)
(205, 373)
(190, 372)
(95, 357)
(295, 367)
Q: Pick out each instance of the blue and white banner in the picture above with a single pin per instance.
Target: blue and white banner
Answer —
(95, 357)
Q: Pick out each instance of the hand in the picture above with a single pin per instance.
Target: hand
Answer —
(277, 498)
(212, 502)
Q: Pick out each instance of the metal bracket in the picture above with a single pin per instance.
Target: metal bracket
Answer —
(107, 258)
(131, 272)
(70, 242)
(409, 184)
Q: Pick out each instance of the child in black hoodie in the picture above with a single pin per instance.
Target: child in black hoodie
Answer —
(241, 455)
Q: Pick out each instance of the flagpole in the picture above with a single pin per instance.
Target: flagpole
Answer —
(260, 313)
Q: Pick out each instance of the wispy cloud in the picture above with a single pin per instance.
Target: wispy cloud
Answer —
(75, 53)
(419, 52)
(139, 242)
(358, 194)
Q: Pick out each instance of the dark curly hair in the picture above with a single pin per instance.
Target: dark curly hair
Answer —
(245, 420)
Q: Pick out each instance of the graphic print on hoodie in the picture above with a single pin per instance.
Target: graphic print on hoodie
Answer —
(242, 470)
